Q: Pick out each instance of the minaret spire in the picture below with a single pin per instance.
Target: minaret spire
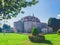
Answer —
(33, 14)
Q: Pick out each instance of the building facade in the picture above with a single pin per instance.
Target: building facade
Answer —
(26, 24)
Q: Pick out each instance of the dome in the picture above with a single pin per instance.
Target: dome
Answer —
(30, 18)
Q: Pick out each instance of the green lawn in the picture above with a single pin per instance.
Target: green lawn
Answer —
(22, 39)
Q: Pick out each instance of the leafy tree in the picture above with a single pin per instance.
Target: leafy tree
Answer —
(54, 23)
(10, 8)
(6, 27)
(0, 29)
(35, 31)
(58, 23)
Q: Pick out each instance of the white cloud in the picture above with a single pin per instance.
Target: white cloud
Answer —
(11, 21)
(58, 16)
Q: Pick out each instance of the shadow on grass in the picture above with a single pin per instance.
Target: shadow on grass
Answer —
(48, 42)
(44, 42)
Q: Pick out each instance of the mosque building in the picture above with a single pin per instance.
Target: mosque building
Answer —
(25, 25)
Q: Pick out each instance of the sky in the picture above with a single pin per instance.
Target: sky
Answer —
(44, 9)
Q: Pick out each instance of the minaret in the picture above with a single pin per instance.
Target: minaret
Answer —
(33, 14)
(33, 22)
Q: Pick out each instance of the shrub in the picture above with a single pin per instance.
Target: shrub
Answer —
(39, 38)
(35, 31)
(58, 32)
(42, 37)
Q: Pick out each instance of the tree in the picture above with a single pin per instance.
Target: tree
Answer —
(36, 37)
(35, 31)
(6, 28)
(0, 29)
(54, 23)
(58, 23)
(10, 8)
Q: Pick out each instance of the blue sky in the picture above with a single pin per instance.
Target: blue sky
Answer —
(43, 10)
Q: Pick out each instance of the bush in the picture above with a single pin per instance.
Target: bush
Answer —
(39, 38)
(58, 32)
(35, 31)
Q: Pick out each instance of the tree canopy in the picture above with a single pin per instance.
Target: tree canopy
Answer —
(54, 23)
(6, 27)
(0, 29)
(11, 8)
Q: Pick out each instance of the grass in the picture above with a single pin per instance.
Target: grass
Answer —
(22, 39)
(54, 38)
